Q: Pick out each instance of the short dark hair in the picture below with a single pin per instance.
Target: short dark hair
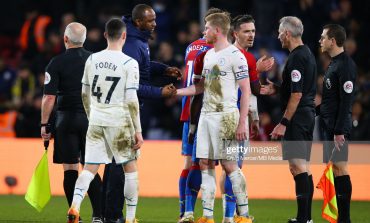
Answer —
(337, 32)
(138, 12)
(114, 28)
(241, 19)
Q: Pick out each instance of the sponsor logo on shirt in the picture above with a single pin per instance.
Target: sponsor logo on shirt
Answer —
(348, 87)
(295, 75)
(328, 83)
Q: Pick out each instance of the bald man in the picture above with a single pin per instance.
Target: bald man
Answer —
(63, 77)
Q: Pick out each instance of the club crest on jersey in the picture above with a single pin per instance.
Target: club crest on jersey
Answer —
(221, 61)
(47, 78)
(348, 87)
(328, 83)
(295, 75)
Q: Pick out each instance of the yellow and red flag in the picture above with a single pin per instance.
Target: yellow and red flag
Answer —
(326, 184)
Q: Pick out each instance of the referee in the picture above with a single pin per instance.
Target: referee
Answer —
(297, 92)
(63, 79)
(336, 112)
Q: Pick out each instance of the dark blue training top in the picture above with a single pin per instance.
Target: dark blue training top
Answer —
(137, 47)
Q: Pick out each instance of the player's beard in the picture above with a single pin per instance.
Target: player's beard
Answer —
(211, 39)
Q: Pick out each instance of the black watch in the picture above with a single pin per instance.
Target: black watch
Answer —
(284, 121)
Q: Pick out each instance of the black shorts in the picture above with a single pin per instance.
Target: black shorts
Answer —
(70, 137)
(329, 152)
(297, 141)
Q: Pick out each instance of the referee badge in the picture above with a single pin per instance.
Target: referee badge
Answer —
(348, 87)
(47, 78)
(295, 75)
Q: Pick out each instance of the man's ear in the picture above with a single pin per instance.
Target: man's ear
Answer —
(106, 35)
(123, 36)
(65, 39)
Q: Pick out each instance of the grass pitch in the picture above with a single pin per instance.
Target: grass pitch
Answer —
(15, 209)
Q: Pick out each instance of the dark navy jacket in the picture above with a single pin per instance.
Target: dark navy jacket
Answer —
(137, 47)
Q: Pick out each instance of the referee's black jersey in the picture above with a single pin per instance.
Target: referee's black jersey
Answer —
(63, 78)
(299, 75)
(338, 94)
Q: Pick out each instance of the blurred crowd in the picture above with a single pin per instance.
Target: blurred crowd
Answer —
(31, 34)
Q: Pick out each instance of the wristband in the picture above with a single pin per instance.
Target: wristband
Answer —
(44, 124)
(284, 121)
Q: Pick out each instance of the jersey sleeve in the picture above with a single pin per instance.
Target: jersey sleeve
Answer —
(198, 67)
(347, 75)
(297, 74)
(85, 77)
(133, 75)
(51, 81)
(252, 67)
(240, 65)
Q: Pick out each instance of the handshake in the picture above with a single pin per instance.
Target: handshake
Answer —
(168, 90)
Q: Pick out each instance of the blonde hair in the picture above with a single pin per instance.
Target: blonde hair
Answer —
(221, 20)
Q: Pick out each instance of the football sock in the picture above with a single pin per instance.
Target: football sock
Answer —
(310, 196)
(182, 186)
(239, 189)
(95, 194)
(192, 188)
(302, 193)
(70, 177)
(343, 188)
(131, 192)
(230, 200)
(208, 188)
(82, 185)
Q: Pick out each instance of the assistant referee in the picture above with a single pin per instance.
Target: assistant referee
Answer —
(63, 82)
(336, 113)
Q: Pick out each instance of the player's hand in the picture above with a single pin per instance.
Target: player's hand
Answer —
(241, 132)
(173, 72)
(45, 136)
(139, 140)
(264, 64)
(268, 89)
(255, 128)
(339, 141)
(168, 91)
(278, 132)
(191, 134)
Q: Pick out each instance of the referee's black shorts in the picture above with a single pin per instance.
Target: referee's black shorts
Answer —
(70, 137)
(297, 141)
(329, 152)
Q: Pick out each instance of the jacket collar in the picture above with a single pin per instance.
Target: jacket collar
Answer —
(133, 31)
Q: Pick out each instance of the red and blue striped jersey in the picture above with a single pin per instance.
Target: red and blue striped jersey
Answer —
(192, 51)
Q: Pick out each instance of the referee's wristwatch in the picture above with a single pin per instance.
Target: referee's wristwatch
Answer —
(284, 121)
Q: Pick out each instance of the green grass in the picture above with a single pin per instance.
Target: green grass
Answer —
(15, 209)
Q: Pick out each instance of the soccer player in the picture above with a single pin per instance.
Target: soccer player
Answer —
(63, 81)
(243, 32)
(190, 178)
(110, 81)
(335, 113)
(140, 26)
(297, 95)
(221, 126)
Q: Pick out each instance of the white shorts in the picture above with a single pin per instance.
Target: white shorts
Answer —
(216, 135)
(105, 142)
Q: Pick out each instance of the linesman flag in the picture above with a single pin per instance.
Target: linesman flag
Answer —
(38, 192)
(326, 184)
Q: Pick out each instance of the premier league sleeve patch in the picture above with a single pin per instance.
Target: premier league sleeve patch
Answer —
(47, 78)
(348, 87)
(295, 75)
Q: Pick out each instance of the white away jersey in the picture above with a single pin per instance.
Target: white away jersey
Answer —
(221, 72)
(109, 74)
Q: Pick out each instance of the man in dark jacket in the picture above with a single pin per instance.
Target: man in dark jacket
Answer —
(140, 26)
